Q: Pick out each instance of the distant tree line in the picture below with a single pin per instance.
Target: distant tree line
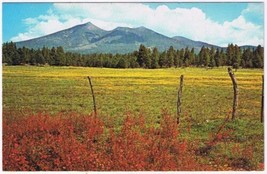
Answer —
(144, 57)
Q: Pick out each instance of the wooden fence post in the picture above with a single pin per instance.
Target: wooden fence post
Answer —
(235, 102)
(179, 100)
(262, 100)
(93, 95)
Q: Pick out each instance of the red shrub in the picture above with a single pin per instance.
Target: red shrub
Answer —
(81, 143)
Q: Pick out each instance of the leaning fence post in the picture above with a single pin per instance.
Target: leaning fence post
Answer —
(235, 102)
(179, 99)
(93, 95)
(262, 100)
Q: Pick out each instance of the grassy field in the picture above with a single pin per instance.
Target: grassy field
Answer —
(207, 98)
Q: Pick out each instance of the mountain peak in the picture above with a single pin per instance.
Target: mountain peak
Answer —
(90, 26)
(88, 38)
(141, 28)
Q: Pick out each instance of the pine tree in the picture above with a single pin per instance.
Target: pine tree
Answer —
(170, 57)
(182, 53)
(201, 56)
(39, 58)
(162, 59)
(186, 57)
(230, 51)
(52, 56)
(99, 61)
(197, 60)
(122, 63)
(236, 57)
(222, 58)
(206, 57)
(258, 57)
(142, 57)
(212, 62)
(11, 55)
(16, 60)
(217, 58)
(147, 59)
(133, 61)
(60, 57)
(246, 57)
(155, 58)
(5, 58)
(176, 59)
(192, 57)
(46, 54)
(250, 63)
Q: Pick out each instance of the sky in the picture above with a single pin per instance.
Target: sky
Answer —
(215, 23)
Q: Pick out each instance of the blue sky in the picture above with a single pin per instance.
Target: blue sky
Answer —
(216, 23)
(14, 13)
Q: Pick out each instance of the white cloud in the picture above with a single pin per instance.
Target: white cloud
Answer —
(30, 21)
(254, 8)
(254, 13)
(192, 23)
(44, 25)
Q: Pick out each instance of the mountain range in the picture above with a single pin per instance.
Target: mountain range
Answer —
(88, 38)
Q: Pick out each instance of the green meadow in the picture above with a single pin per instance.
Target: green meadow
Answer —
(206, 100)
